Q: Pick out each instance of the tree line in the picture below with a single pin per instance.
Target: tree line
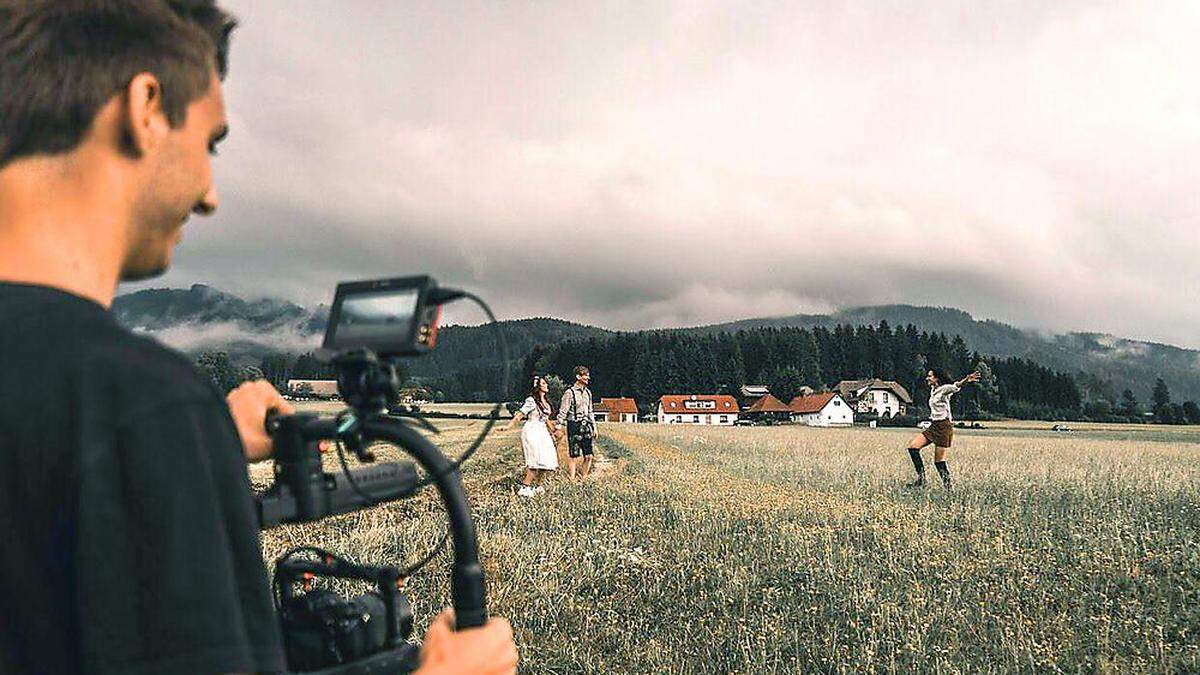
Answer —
(648, 364)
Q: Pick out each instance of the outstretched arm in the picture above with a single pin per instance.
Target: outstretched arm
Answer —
(973, 377)
(514, 421)
(522, 414)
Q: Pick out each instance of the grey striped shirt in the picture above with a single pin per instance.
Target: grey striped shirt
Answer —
(576, 404)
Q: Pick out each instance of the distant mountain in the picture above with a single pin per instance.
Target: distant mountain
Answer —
(203, 318)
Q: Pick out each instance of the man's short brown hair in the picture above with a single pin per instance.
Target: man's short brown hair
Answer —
(581, 370)
(62, 60)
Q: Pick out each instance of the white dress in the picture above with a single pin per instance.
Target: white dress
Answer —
(540, 452)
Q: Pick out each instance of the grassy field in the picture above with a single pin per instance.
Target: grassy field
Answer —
(789, 549)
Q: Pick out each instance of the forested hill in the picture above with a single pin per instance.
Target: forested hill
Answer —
(1127, 364)
(203, 318)
(986, 337)
(468, 354)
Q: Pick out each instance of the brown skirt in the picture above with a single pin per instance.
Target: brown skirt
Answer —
(940, 433)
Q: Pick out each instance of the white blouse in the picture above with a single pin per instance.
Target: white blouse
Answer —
(939, 401)
(531, 411)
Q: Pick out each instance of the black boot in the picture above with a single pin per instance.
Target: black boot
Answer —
(944, 472)
(919, 466)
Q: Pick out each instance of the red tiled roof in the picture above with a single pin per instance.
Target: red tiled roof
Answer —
(618, 406)
(722, 404)
(810, 404)
(768, 404)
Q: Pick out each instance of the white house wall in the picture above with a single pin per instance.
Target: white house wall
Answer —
(881, 402)
(832, 415)
(704, 418)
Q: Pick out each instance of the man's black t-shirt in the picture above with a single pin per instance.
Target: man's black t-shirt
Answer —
(127, 526)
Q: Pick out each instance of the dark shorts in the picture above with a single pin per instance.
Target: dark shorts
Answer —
(576, 444)
(940, 433)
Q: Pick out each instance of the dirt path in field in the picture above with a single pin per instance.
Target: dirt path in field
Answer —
(602, 467)
(607, 467)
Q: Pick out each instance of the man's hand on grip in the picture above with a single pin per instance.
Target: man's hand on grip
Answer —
(487, 650)
(248, 404)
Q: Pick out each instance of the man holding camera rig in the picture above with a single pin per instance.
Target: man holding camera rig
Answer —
(131, 541)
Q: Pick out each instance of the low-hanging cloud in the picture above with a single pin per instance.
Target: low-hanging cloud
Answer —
(220, 335)
(684, 163)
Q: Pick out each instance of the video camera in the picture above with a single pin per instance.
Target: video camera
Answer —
(371, 325)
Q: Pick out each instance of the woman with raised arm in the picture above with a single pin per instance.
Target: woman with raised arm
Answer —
(541, 455)
(940, 432)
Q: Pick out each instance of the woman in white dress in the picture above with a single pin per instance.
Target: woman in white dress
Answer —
(541, 455)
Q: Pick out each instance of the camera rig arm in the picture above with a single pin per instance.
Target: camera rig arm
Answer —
(304, 493)
(371, 325)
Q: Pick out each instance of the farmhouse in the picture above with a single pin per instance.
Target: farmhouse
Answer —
(313, 388)
(822, 410)
(769, 407)
(616, 410)
(882, 398)
(697, 409)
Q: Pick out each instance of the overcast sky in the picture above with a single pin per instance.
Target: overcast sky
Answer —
(643, 164)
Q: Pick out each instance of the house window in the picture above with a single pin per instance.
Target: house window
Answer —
(695, 419)
(724, 419)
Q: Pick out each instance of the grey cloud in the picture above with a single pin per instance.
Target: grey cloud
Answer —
(669, 163)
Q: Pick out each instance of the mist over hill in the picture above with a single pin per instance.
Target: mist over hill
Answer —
(203, 318)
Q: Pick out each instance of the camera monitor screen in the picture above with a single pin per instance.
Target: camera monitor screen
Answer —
(378, 315)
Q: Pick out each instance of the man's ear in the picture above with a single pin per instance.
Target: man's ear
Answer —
(144, 118)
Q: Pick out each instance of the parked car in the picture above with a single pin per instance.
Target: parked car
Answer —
(743, 423)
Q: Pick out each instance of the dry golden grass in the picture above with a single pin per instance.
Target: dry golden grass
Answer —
(791, 549)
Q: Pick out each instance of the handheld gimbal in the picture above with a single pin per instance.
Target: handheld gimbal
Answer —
(371, 324)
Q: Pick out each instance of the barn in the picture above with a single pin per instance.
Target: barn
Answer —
(769, 408)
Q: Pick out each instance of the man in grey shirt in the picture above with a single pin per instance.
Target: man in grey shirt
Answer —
(576, 410)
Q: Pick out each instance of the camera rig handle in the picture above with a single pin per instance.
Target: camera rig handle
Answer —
(303, 492)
